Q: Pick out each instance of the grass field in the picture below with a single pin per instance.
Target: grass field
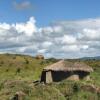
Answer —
(17, 73)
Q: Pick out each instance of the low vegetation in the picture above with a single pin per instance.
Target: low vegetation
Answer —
(19, 72)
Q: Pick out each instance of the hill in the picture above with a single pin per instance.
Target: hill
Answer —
(87, 58)
(18, 74)
(26, 66)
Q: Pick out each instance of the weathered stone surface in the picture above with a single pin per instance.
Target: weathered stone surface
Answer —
(48, 77)
(73, 77)
(87, 78)
(90, 88)
(19, 96)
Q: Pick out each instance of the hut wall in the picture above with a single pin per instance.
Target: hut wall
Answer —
(48, 77)
(73, 77)
(56, 76)
(87, 77)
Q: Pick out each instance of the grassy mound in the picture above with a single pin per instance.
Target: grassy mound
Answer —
(17, 73)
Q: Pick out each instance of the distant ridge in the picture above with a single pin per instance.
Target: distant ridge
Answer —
(86, 58)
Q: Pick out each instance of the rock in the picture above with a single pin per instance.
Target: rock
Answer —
(19, 96)
(98, 90)
(90, 88)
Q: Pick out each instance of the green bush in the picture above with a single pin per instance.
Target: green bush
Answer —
(76, 88)
(26, 61)
(18, 70)
(1, 85)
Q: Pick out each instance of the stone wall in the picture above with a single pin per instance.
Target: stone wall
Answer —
(73, 77)
(49, 77)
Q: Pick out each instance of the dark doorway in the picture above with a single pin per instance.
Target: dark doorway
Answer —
(59, 75)
(43, 77)
(81, 74)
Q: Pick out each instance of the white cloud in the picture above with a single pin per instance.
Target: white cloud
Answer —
(71, 48)
(22, 5)
(85, 47)
(22, 49)
(57, 29)
(28, 28)
(41, 51)
(65, 39)
(91, 33)
(47, 30)
(47, 44)
(4, 26)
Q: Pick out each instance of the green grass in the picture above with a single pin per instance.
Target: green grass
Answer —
(17, 73)
(30, 68)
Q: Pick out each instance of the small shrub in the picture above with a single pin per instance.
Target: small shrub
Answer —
(1, 62)
(26, 67)
(98, 94)
(52, 60)
(10, 64)
(76, 87)
(7, 70)
(42, 62)
(26, 61)
(1, 85)
(14, 57)
(68, 97)
(18, 70)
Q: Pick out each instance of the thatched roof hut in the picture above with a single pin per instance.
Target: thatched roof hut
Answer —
(65, 69)
(68, 66)
(39, 56)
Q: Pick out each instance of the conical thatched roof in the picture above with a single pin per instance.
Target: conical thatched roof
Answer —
(39, 56)
(68, 66)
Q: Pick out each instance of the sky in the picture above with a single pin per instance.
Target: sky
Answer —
(54, 28)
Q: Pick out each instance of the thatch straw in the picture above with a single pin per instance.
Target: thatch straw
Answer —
(69, 66)
(39, 56)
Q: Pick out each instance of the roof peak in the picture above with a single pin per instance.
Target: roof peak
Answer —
(63, 65)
